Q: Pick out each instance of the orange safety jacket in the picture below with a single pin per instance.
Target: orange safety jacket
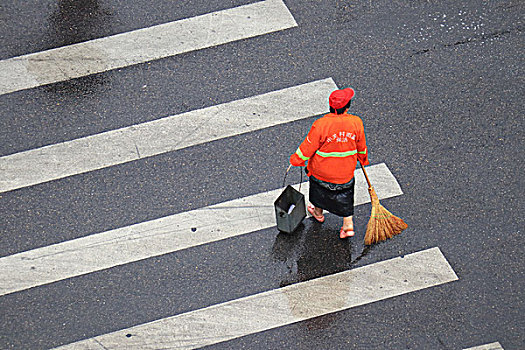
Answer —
(332, 147)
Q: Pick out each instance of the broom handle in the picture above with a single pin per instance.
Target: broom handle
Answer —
(366, 175)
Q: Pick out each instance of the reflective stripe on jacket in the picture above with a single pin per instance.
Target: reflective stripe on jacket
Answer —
(332, 148)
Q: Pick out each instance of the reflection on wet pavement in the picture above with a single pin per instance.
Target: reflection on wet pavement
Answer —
(74, 22)
(311, 251)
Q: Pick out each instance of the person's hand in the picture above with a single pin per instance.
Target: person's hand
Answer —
(296, 161)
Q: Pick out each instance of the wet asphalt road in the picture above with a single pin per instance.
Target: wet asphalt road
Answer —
(440, 89)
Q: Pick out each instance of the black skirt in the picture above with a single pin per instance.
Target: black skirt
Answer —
(337, 199)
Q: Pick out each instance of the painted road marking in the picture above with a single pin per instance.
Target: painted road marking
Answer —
(161, 236)
(143, 45)
(163, 135)
(283, 306)
(491, 346)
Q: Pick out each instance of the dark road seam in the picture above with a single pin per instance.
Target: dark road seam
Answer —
(493, 35)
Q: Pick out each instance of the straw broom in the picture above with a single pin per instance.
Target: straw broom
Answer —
(382, 224)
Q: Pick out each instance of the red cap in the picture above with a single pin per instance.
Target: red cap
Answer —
(339, 98)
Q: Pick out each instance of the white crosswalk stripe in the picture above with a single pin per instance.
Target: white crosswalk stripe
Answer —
(143, 45)
(283, 306)
(491, 346)
(161, 236)
(163, 135)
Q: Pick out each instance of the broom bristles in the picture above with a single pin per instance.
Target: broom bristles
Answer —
(382, 224)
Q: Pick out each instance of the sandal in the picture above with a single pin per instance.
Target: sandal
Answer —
(310, 209)
(345, 234)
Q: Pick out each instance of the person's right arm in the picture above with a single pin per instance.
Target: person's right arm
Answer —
(307, 148)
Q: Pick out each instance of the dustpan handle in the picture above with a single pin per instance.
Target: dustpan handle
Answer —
(287, 170)
(285, 174)
(366, 175)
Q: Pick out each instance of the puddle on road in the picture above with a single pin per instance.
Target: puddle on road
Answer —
(315, 250)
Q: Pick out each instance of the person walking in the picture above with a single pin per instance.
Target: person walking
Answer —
(332, 148)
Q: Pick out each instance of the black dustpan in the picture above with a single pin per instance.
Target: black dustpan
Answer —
(290, 208)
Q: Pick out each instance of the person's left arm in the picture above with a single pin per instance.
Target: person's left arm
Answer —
(362, 151)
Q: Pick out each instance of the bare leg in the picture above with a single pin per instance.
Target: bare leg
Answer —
(348, 227)
(348, 223)
(316, 212)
